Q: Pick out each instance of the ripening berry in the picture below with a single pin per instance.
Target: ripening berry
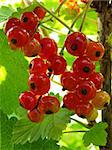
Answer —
(28, 100)
(49, 48)
(83, 66)
(93, 115)
(35, 116)
(40, 12)
(86, 90)
(57, 64)
(76, 44)
(29, 21)
(38, 66)
(11, 23)
(49, 105)
(32, 48)
(17, 37)
(95, 51)
(70, 101)
(68, 81)
(39, 83)
(97, 78)
(101, 100)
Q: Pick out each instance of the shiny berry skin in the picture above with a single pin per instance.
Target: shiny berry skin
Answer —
(83, 109)
(40, 12)
(68, 81)
(39, 84)
(83, 66)
(101, 100)
(37, 36)
(93, 115)
(49, 48)
(28, 100)
(76, 44)
(35, 116)
(38, 66)
(49, 105)
(11, 23)
(97, 78)
(29, 21)
(57, 64)
(86, 90)
(17, 37)
(95, 51)
(32, 48)
(70, 100)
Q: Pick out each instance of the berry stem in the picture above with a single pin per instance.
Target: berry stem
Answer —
(57, 18)
(75, 131)
(84, 16)
(56, 82)
(59, 7)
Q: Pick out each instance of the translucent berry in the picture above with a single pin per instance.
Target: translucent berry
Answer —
(49, 105)
(40, 12)
(95, 51)
(76, 44)
(28, 100)
(35, 116)
(93, 115)
(39, 84)
(57, 64)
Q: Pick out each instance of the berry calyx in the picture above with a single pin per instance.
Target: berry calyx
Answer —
(49, 105)
(35, 116)
(76, 44)
(40, 12)
(28, 100)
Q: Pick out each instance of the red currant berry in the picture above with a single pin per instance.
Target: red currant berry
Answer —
(37, 36)
(35, 116)
(11, 23)
(68, 81)
(86, 90)
(97, 79)
(29, 21)
(57, 64)
(28, 100)
(32, 48)
(49, 105)
(95, 50)
(40, 12)
(49, 48)
(85, 1)
(76, 44)
(39, 84)
(70, 101)
(38, 66)
(83, 109)
(17, 37)
(83, 66)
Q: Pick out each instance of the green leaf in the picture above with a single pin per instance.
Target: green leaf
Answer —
(6, 131)
(5, 12)
(16, 76)
(50, 128)
(39, 145)
(96, 135)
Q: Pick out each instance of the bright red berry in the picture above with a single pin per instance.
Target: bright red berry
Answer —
(37, 36)
(97, 78)
(49, 48)
(28, 100)
(32, 48)
(11, 23)
(83, 66)
(76, 44)
(29, 21)
(70, 101)
(86, 90)
(57, 64)
(39, 84)
(49, 105)
(38, 66)
(17, 37)
(95, 50)
(85, 1)
(35, 116)
(68, 81)
(40, 12)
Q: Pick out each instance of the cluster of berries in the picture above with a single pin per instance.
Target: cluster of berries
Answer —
(84, 83)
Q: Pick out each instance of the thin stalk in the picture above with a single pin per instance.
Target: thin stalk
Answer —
(80, 131)
(59, 7)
